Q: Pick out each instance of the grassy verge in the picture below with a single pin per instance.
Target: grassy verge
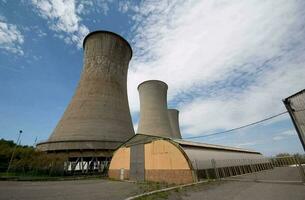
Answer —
(176, 193)
(151, 186)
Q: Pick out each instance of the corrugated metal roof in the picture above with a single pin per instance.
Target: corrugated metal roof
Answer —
(200, 155)
(142, 138)
(211, 146)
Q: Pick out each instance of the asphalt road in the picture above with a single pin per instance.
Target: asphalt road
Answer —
(235, 190)
(249, 190)
(278, 173)
(105, 189)
(62, 190)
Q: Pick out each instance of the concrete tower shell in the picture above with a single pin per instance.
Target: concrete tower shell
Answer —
(98, 115)
(153, 109)
(173, 116)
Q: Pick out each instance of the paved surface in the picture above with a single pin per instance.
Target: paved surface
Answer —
(62, 190)
(235, 190)
(241, 190)
(278, 173)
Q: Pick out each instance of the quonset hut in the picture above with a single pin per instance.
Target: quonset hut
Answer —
(162, 159)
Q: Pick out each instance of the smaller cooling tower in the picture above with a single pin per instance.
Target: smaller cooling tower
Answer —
(153, 109)
(173, 116)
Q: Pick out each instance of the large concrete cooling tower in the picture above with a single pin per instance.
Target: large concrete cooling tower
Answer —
(173, 116)
(153, 109)
(98, 116)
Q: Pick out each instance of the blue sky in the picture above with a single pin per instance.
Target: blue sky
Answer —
(227, 63)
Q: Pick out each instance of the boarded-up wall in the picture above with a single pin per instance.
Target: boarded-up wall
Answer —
(164, 162)
(120, 160)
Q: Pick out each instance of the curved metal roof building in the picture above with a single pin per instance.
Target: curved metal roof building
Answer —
(161, 159)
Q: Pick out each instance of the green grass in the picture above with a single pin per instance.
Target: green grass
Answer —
(157, 196)
(151, 186)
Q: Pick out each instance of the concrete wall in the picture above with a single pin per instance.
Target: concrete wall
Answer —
(173, 116)
(99, 109)
(153, 109)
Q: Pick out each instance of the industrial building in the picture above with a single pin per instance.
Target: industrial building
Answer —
(162, 159)
(97, 122)
(97, 119)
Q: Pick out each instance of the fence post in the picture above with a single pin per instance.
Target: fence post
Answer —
(215, 169)
(207, 174)
(301, 170)
(230, 171)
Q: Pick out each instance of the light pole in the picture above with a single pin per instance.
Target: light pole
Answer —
(13, 154)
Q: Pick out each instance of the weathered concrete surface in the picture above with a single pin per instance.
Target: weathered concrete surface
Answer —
(153, 109)
(241, 191)
(66, 190)
(173, 116)
(98, 116)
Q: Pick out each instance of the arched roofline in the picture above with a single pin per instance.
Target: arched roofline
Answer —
(159, 138)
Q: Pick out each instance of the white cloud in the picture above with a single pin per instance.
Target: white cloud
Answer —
(246, 144)
(124, 6)
(11, 39)
(284, 135)
(135, 127)
(227, 63)
(96, 6)
(63, 18)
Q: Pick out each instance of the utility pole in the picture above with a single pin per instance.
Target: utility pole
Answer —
(13, 154)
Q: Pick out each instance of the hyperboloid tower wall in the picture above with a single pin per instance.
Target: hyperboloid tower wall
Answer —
(98, 116)
(153, 109)
(173, 116)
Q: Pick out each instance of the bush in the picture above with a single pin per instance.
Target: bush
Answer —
(29, 161)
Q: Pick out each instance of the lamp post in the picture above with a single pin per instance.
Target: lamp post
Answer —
(13, 154)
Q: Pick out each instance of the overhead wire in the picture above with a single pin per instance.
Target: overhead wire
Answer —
(237, 128)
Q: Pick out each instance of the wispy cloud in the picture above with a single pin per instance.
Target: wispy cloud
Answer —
(227, 63)
(11, 39)
(246, 144)
(284, 135)
(63, 18)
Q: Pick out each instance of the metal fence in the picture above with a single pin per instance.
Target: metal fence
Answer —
(281, 169)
